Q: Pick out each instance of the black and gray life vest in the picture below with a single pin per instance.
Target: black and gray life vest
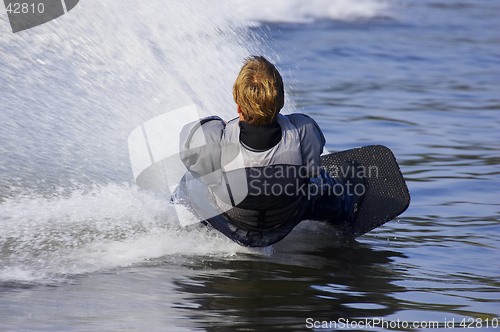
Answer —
(262, 189)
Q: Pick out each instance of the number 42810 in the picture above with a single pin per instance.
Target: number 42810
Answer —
(25, 8)
(478, 323)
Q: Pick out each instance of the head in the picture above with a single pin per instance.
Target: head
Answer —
(258, 91)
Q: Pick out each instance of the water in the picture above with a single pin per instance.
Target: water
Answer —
(82, 248)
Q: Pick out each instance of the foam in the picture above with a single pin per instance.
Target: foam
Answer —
(78, 85)
(298, 11)
(97, 229)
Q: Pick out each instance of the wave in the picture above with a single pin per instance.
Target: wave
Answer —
(45, 239)
(72, 91)
(298, 11)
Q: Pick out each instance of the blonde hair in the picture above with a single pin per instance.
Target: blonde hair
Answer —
(258, 91)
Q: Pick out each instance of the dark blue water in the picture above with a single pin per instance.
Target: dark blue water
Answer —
(82, 248)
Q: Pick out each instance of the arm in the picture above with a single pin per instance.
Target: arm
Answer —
(312, 141)
(200, 149)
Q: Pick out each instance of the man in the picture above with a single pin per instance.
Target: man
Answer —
(260, 171)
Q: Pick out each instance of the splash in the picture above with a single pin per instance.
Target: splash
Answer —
(94, 229)
(72, 91)
(74, 88)
(297, 11)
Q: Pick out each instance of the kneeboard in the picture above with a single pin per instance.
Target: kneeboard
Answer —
(386, 194)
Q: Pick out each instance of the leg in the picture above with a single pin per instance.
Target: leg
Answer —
(328, 199)
(336, 201)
